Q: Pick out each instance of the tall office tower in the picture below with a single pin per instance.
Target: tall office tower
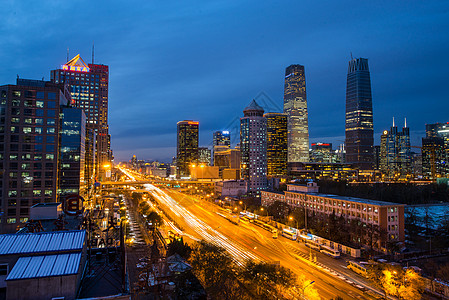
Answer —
(221, 142)
(295, 106)
(29, 142)
(187, 146)
(434, 162)
(359, 115)
(134, 162)
(204, 156)
(277, 144)
(253, 148)
(395, 153)
(441, 130)
(322, 153)
(89, 88)
(72, 151)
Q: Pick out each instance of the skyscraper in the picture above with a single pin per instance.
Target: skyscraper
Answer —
(253, 147)
(89, 84)
(435, 150)
(29, 147)
(395, 153)
(277, 144)
(221, 142)
(295, 106)
(359, 115)
(187, 146)
(72, 151)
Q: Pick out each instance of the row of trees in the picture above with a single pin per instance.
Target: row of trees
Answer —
(223, 278)
(394, 280)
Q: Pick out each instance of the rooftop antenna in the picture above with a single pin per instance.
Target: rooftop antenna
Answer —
(67, 54)
(351, 56)
(393, 121)
(405, 125)
(93, 50)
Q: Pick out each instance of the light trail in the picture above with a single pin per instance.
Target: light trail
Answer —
(204, 230)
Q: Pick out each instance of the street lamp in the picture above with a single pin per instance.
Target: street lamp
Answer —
(306, 286)
(291, 219)
(262, 209)
(241, 203)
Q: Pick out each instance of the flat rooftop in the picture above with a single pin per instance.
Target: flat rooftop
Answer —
(351, 199)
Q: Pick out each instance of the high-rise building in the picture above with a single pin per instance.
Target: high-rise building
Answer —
(395, 153)
(440, 130)
(253, 148)
(222, 138)
(277, 144)
(322, 153)
(204, 156)
(72, 151)
(359, 115)
(89, 84)
(29, 147)
(295, 106)
(187, 146)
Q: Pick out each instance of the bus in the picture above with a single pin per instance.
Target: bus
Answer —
(305, 237)
(330, 251)
(244, 220)
(290, 234)
(273, 230)
(360, 268)
(313, 245)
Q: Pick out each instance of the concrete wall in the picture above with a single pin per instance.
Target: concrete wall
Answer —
(42, 288)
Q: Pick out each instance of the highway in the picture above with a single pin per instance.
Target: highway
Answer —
(204, 220)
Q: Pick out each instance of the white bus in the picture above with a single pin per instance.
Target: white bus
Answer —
(290, 234)
(330, 251)
(358, 267)
(313, 245)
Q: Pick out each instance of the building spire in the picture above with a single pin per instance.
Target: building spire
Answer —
(393, 121)
(93, 52)
(405, 122)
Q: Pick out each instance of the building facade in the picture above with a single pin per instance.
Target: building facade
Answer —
(322, 153)
(29, 147)
(277, 144)
(204, 156)
(253, 148)
(72, 151)
(359, 115)
(437, 131)
(395, 153)
(187, 146)
(295, 106)
(388, 216)
(89, 86)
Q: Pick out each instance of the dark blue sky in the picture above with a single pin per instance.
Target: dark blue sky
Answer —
(206, 60)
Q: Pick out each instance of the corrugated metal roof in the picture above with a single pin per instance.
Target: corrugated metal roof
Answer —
(42, 242)
(45, 266)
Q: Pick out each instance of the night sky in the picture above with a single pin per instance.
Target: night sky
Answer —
(206, 60)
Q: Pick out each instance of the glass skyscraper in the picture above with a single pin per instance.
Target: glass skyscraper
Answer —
(359, 115)
(295, 106)
(187, 146)
(89, 84)
(277, 144)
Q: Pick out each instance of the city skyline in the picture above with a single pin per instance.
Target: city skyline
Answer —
(185, 79)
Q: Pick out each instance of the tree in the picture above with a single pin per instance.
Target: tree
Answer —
(154, 218)
(279, 210)
(179, 247)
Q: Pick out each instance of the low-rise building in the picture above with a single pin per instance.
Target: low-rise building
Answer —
(231, 188)
(388, 216)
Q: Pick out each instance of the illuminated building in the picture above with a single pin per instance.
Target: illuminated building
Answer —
(187, 146)
(72, 151)
(434, 163)
(388, 216)
(277, 144)
(322, 170)
(395, 153)
(359, 115)
(29, 142)
(221, 142)
(440, 130)
(253, 148)
(322, 153)
(204, 156)
(295, 106)
(89, 84)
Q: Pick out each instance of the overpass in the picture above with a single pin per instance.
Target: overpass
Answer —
(141, 182)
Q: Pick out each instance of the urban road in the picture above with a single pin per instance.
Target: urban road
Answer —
(204, 220)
